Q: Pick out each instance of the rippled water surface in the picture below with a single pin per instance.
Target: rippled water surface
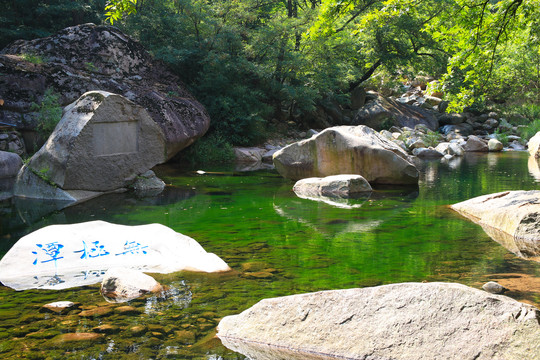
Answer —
(276, 243)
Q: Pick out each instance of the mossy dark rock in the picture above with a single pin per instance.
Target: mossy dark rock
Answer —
(90, 57)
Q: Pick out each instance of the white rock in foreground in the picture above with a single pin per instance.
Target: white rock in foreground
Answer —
(63, 256)
(399, 321)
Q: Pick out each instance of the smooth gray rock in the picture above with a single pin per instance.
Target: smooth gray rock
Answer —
(427, 153)
(122, 284)
(494, 288)
(400, 321)
(249, 154)
(148, 185)
(475, 144)
(342, 186)
(10, 164)
(347, 150)
(102, 143)
(495, 145)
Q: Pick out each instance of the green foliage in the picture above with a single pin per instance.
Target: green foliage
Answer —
(530, 130)
(432, 138)
(116, 9)
(33, 58)
(501, 136)
(49, 113)
(208, 150)
(30, 19)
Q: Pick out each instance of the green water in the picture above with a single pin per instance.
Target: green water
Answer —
(277, 245)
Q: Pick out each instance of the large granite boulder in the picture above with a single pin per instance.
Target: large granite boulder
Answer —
(384, 112)
(347, 150)
(90, 57)
(512, 218)
(399, 321)
(64, 256)
(102, 143)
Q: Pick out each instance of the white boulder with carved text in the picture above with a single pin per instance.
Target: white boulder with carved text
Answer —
(64, 256)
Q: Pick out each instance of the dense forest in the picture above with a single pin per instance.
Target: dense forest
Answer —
(259, 64)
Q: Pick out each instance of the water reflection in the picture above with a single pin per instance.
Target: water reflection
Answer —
(349, 216)
(528, 249)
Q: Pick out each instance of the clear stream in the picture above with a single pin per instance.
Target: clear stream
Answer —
(276, 243)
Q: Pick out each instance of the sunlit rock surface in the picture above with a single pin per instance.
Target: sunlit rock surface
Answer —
(399, 321)
(64, 256)
(512, 218)
(122, 284)
(339, 186)
(347, 150)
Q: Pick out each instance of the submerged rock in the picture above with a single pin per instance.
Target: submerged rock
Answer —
(64, 256)
(511, 218)
(399, 321)
(347, 150)
(122, 284)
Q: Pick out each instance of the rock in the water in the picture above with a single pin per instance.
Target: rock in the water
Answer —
(495, 145)
(399, 321)
(341, 186)
(533, 146)
(148, 184)
(427, 153)
(101, 144)
(10, 164)
(383, 112)
(475, 144)
(494, 288)
(249, 155)
(63, 256)
(347, 150)
(59, 307)
(515, 214)
(123, 284)
(89, 57)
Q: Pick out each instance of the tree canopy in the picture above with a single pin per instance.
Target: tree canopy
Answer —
(257, 61)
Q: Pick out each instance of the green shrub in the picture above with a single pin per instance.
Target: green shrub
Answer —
(49, 113)
(432, 138)
(209, 150)
(33, 58)
(501, 136)
(529, 130)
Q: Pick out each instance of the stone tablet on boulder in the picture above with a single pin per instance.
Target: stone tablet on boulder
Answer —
(103, 142)
(90, 57)
(64, 256)
(399, 321)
